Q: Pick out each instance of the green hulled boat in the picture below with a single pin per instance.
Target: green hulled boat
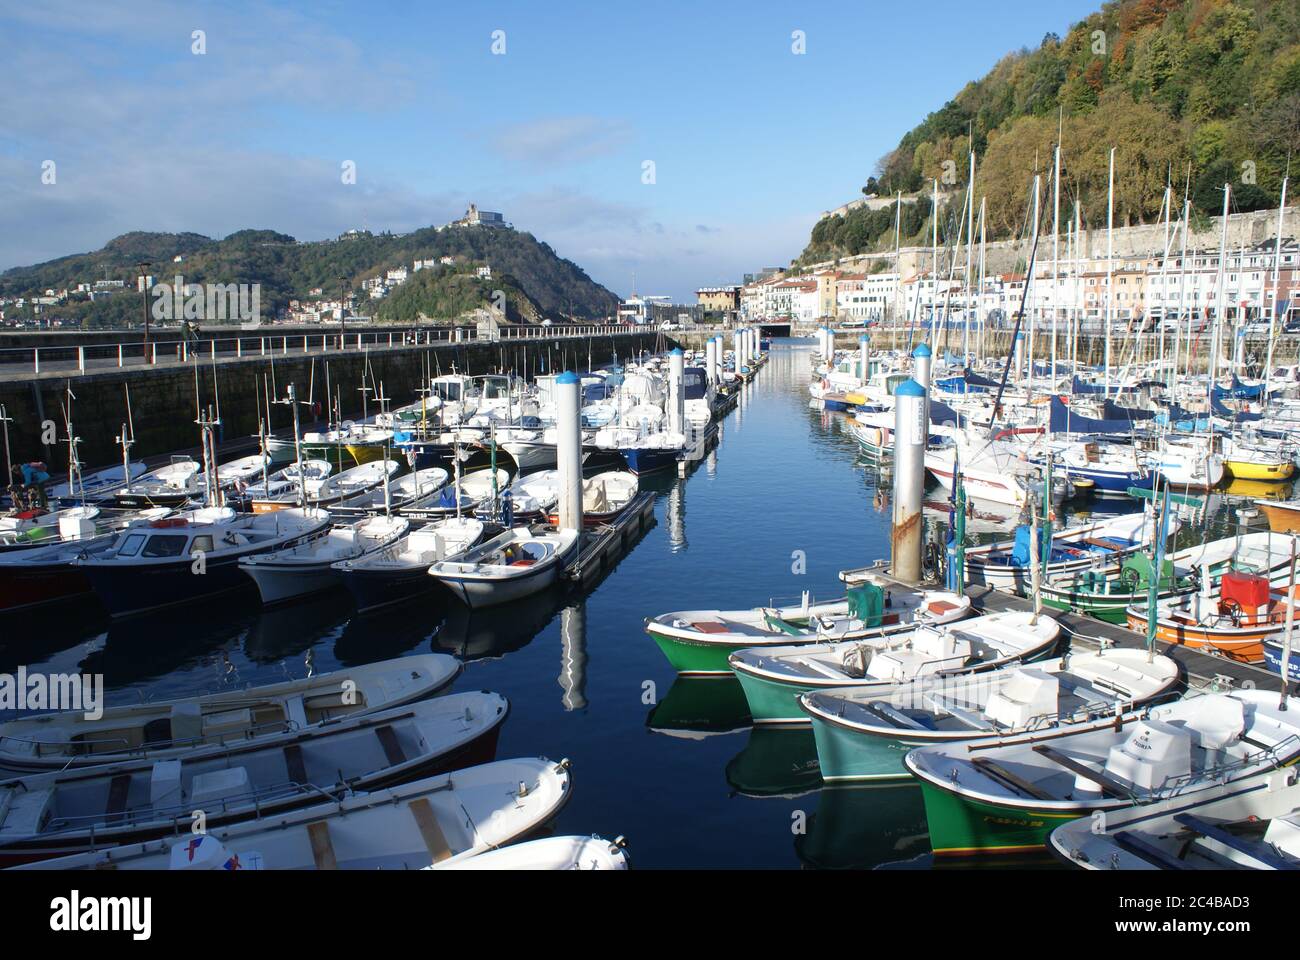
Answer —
(700, 641)
(1008, 795)
(863, 733)
(1106, 594)
(775, 678)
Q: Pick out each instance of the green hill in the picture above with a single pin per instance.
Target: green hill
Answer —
(1200, 92)
(536, 281)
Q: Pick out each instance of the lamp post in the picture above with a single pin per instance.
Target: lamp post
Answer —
(144, 297)
(343, 310)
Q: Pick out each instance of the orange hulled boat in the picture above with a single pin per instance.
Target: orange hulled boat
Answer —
(1236, 623)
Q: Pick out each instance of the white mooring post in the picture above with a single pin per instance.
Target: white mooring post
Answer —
(677, 387)
(711, 359)
(909, 480)
(738, 349)
(863, 353)
(923, 361)
(756, 343)
(568, 424)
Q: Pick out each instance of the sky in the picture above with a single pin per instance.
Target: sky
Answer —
(662, 146)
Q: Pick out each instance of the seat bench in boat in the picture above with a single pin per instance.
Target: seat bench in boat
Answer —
(1109, 786)
(1256, 851)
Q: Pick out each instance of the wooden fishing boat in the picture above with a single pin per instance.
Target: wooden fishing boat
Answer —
(1283, 515)
(700, 641)
(73, 811)
(410, 488)
(862, 733)
(166, 729)
(1007, 795)
(1247, 612)
(281, 484)
(436, 821)
(1252, 826)
(774, 678)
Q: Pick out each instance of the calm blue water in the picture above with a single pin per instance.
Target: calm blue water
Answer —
(670, 764)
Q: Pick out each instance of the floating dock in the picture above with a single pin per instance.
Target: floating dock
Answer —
(602, 546)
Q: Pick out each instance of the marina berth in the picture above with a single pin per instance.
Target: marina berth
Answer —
(1008, 794)
(863, 733)
(179, 559)
(700, 641)
(167, 729)
(436, 821)
(307, 567)
(775, 678)
(400, 570)
(84, 809)
(1252, 826)
(604, 497)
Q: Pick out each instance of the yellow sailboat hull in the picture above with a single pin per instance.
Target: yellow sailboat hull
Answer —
(1246, 470)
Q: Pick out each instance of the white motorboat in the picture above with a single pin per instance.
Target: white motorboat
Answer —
(515, 564)
(400, 570)
(307, 566)
(550, 853)
(94, 486)
(333, 488)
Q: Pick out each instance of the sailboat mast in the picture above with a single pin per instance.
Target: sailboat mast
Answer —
(1110, 268)
(1277, 263)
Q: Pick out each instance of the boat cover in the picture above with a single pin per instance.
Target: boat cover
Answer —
(867, 603)
(1062, 420)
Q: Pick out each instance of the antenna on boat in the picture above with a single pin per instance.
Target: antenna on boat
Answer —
(388, 435)
(5, 420)
(1285, 670)
(291, 400)
(74, 463)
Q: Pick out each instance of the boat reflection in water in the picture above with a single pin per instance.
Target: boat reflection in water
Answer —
(696, 707)
(393, 631)
(861, 827)
(284, 630)
(776, 762)
(493, 632)
(573, 655)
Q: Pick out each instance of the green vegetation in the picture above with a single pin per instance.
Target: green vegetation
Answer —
(1200, 92)
(535, 280)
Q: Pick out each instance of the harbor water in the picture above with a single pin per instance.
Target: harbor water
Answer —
(780, 506)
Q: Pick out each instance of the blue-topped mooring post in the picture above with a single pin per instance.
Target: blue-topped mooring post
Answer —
(910, 432)
(677, 391)
(568, 425)
(863, 353)
(711, 359)
(923, 363)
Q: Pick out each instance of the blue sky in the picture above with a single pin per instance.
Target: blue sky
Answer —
(750, 142)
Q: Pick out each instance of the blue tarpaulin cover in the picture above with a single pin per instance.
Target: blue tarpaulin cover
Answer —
(1062, 420)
